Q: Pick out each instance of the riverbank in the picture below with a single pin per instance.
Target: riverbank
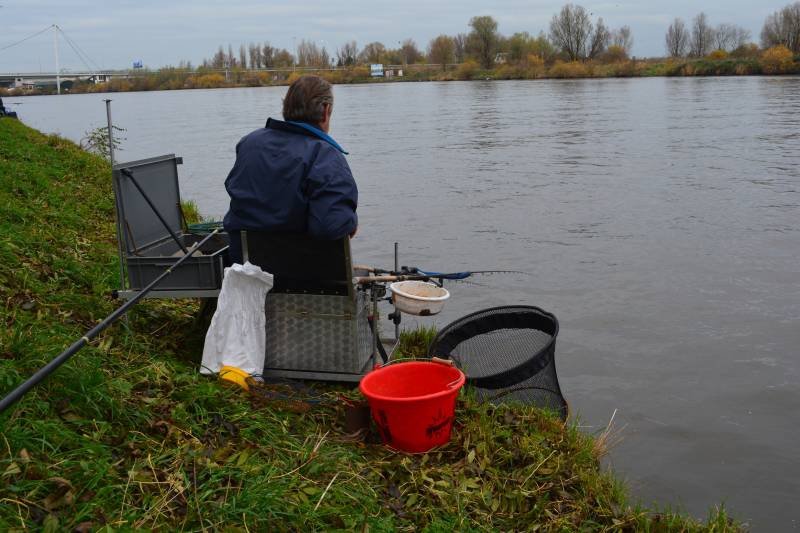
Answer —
(755, 63)
(128, 434)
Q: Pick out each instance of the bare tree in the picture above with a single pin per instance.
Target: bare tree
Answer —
(282, 58)
(441, 50)
(783, 28)
(347, 54)
(310, 55)
(623, 38)
(410, 52)
(254, 51)
(702, 36)
(373, 53)
(268, 56)
(677, 38)
(743, 37)
(571, 31)
(482, 40)
(230, 59)
(219, 59)
(729, 37)
(460, 42)
(242, 56)
(724, 36)
(599, 41)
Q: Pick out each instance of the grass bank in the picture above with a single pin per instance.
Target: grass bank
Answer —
(128, 435)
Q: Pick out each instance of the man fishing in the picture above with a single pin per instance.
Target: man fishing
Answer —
(6, 112)
(291, 176)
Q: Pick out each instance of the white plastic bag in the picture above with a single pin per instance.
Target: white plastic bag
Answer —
(237, 334)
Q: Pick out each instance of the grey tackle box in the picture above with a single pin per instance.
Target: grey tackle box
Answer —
(146, 244)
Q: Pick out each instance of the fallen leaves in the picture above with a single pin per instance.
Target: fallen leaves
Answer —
(62, 495)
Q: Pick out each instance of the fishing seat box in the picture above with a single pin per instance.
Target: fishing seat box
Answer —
(146, 245)
(316, 317)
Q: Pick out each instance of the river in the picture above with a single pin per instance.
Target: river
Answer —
(657, 218)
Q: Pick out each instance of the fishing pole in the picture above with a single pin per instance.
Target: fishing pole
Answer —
(50, 367)
(421, 275)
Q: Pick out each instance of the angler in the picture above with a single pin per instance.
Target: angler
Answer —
(290, 176)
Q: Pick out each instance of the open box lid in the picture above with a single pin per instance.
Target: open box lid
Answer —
(138, 225)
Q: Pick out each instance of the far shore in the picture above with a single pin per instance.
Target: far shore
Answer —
(532, 69)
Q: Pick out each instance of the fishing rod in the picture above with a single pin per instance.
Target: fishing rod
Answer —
(409, 274)
(50, 367)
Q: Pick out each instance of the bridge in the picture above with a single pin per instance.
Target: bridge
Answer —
(59, 78)
(30, 80)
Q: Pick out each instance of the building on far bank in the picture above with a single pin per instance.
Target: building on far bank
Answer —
(501, 58)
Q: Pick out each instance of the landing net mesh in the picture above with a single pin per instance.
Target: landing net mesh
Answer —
(507, 353)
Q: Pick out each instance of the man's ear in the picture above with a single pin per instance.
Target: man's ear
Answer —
(326, 118)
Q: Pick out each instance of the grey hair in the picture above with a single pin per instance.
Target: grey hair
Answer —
(306, 98)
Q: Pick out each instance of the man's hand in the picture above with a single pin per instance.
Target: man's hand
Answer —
(354, 232)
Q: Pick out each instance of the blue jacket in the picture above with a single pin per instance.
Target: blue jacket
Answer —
(290, 177)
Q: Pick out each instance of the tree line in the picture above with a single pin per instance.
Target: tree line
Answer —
(576, 45)
(701, 39)
(573, 36)
(483, 44)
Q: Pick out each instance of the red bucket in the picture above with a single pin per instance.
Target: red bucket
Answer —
(413, 403)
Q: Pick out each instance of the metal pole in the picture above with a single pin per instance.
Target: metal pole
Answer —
(396, 269)
(58, 67)
(110, 131)
(120, 229)
(375, 334)
(48, 369)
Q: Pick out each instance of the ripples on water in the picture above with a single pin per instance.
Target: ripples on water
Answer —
(658, 219)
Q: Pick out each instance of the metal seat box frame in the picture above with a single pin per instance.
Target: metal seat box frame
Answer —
(318, 320)
(149, 218)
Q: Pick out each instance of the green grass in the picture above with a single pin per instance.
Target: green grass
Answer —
(128, 436)
(190, 212)
(416, 342)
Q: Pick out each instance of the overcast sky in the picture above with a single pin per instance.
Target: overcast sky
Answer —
(116, 32)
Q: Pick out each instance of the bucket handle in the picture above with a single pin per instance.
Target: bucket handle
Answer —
(450, 363)
(393, 361)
